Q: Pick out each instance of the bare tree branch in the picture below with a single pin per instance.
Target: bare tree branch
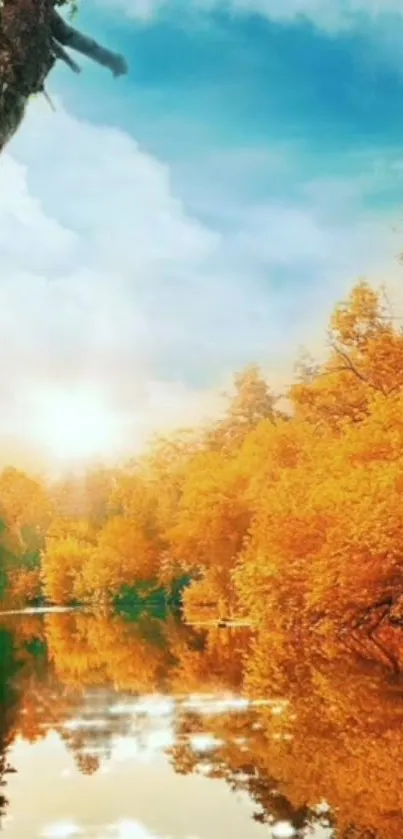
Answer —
(353, 369)
(64, 56)
(65, 34)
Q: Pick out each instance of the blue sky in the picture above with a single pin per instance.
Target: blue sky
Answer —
(222, 81)
(208, 209)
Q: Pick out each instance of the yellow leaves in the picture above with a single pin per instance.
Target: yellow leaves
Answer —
(212, 517)
(124, 555)
(128, 490)
(62, 564)
(275, 707)
(25, 585)
(23, 499)
(263, 509)
(362, 316)
(63, 528)
(296, 516)
(84, 498)
(326, 525)
(25, 513)
(95, 649)
(200, 602)
(100, 559)
(366, 359)
(127, 538)
(251, 402)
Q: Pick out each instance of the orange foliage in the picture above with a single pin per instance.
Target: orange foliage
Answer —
(322, 730)
(290, 521)
(25, 585)
(61, 568)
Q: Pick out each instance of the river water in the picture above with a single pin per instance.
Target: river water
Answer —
(117, 729)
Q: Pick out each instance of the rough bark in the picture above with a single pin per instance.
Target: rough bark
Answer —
(33, 37)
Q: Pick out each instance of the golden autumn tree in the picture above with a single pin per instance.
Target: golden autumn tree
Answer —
(211, 524)
(125, 554)
(84, 497)
(165, 467)
(323, 547)
(251, 401)
(63, 566)
(24, 499)
(25, 510)
(292, 519)
(365, 359)
(324, 542)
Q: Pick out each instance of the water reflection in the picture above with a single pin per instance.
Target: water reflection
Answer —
(117, 729)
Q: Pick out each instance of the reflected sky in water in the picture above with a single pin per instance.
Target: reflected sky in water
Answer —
(114, 730)
(129, 798)
(135, 793)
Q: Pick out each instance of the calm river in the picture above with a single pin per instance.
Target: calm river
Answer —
(117, 729)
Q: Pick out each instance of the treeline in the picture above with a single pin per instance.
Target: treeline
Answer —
(285, 512)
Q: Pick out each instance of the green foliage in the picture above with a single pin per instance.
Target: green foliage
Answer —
(9, 667)
(175, 595)
(3, 583)
(36, 648)
(145, 597)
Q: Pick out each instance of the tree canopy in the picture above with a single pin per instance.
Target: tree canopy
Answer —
(284, 520)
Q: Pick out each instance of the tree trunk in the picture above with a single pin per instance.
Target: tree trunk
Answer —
(25, 58)
(32, 37)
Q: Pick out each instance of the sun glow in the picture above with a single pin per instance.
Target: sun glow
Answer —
(74, 425)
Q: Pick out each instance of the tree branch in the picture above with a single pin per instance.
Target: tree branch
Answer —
(64, 56)
(32, 38)
(70, 37)
(352, 368)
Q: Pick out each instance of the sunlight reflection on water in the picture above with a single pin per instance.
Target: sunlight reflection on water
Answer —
(61, 830)
(124, 829)
(95, 761)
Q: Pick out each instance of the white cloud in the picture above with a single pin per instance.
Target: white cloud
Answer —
(90, 234)
(284, 235)
(128, 829)
(105, 278)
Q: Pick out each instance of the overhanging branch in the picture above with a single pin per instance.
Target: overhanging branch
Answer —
(33, 36)
(66, 35)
